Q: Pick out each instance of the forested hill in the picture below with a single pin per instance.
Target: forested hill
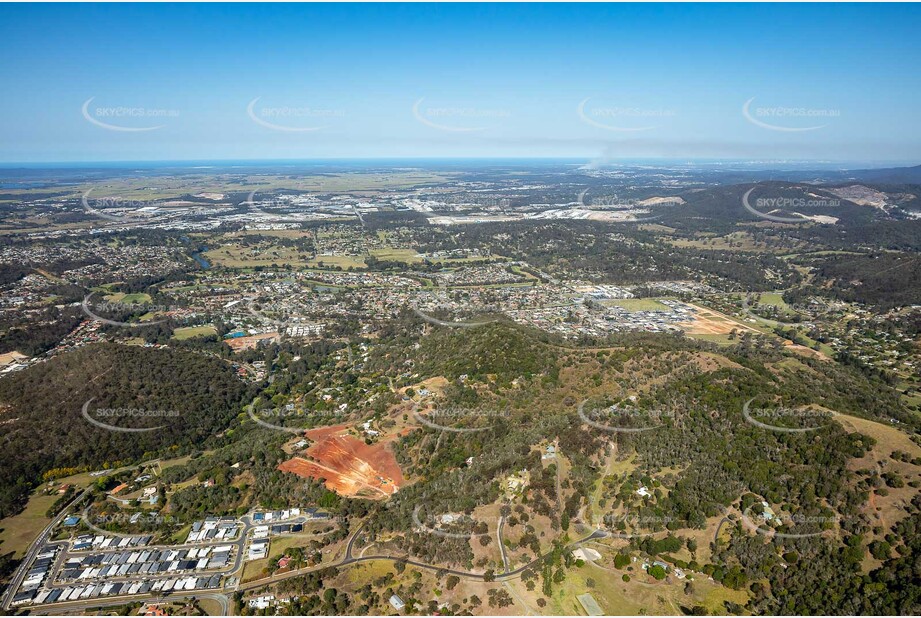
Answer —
(189, 397)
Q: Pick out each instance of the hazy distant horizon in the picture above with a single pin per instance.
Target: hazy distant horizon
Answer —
(803, 164)
(602, 82)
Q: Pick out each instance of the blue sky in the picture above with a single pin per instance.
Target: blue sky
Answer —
(600, 82)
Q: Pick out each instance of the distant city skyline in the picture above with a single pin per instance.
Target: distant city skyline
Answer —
(597, 82)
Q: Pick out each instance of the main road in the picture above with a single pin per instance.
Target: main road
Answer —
(347, 560)
(45, 534)
(35, 546)
(55, 609)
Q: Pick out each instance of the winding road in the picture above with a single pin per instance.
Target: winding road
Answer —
(348, 560)
(501, 544)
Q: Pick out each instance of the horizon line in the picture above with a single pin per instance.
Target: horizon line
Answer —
(573, 160)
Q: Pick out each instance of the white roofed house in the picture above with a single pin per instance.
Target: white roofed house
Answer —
(397, 603)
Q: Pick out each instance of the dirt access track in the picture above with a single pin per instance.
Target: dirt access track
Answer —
(348, 465)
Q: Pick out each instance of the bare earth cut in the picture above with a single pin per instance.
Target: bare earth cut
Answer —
(347, 465)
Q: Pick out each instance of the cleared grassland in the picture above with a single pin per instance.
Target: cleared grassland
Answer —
(637, 304)
(236, 256)
(641, 595)
(613, 467)
(736, 241)
(17, 531)
(466, 260)
(337, 261)
(407, 256)
(20, 530)
(774, 299)
(211, 607)
(129, 299)
(255, 569)
(718, 339)
(886, 510)
(189, 332)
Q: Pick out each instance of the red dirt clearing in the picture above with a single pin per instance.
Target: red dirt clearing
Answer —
(348, 465)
